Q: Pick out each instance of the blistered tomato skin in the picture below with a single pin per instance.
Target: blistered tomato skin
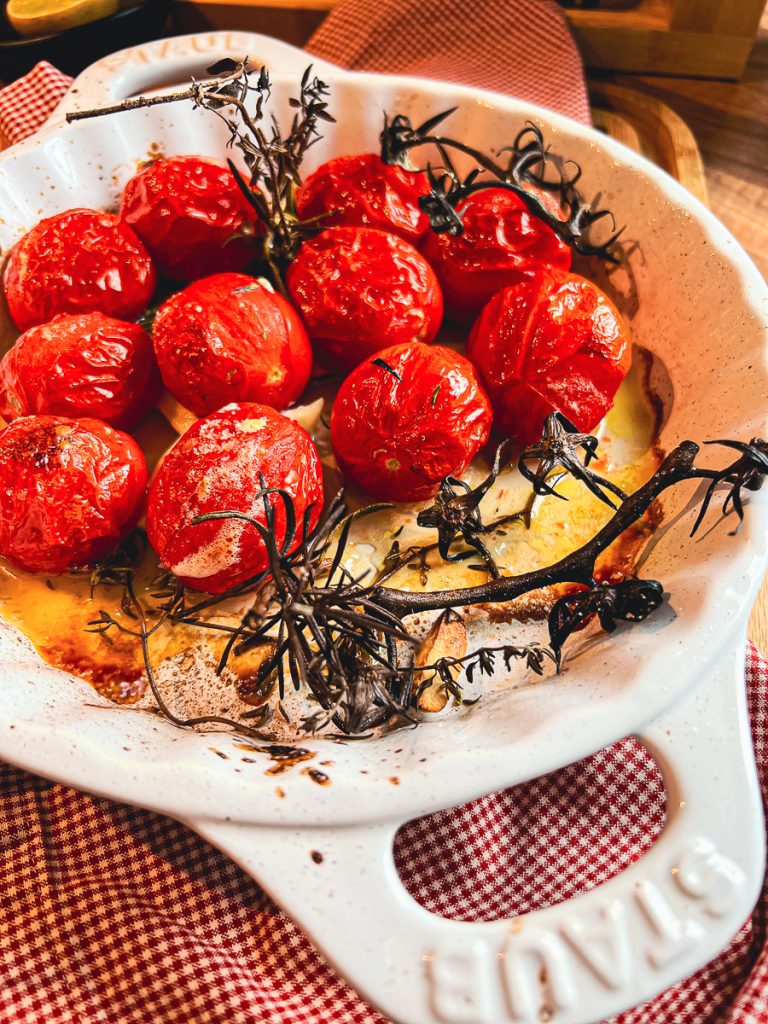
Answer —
(227, 338)
(81, 364)
(554, 342)
(363, 191)
(186, 210)
(502, 243)
(398, 430)
(360, 290)
(79, 261)
(216, 467)
(70, 490)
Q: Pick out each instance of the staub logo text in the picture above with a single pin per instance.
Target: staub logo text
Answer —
(539, 974)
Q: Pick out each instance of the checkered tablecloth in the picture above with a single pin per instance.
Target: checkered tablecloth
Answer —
(109, 914)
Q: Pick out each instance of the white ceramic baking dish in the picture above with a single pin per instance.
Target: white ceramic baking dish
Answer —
(675, 681)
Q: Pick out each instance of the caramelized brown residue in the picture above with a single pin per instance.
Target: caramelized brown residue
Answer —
(251, 688)
(285, 757)
(116, 681)
(317, 776)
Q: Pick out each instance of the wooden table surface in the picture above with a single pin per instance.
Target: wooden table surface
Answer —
(730, 123)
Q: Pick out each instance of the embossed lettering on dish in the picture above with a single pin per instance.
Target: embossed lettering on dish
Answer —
(210, 43)
(540, 974)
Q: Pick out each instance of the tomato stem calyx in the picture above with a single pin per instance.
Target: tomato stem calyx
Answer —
(530, 172)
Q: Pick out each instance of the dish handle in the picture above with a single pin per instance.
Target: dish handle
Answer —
(168, 64)
(580, 961)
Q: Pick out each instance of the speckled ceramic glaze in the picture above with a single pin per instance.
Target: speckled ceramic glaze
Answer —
(676, 680)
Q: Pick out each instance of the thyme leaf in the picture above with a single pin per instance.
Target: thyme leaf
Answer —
(385, 366)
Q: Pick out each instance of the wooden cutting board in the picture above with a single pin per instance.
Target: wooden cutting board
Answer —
(652, 128)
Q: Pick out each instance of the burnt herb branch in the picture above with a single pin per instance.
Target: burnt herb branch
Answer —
(237, 92)
(530, 170)
(747, 472)
(344, 641)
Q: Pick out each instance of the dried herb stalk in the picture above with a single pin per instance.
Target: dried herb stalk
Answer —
(345, 643)
(530, 171)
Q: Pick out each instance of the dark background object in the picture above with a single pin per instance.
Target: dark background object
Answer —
(75, 49)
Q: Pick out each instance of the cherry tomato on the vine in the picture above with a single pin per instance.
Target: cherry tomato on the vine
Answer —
(218, 466)
(188, 210)
(79, 261)
(360, 290)
(70, 490)
(552, 343)
(81, 364)
(408, 418)
(229, 338)
(363, 191)
(502, 243)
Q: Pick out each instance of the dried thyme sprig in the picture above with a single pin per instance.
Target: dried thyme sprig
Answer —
(237, 93)
(112, 574)
(530, 170)
(483, 662)
(353, 645)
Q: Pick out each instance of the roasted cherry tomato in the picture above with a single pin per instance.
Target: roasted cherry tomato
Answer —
(502, 243)
(553, 342)
(187, 210)
(363, 191)
(218, 466)
(228, 338)
(81, 364)
(70, 490)
(361, 290)
(409, 418)
(80, 261)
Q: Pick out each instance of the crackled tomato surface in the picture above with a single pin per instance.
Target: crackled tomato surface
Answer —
(70, 490)
(360, 290)
(228, 338)
(502, 243)
(409, 418)
(363, 191)
(553, 342)
(216, 467)
(79, 261)
(188, 211)
(81, 364)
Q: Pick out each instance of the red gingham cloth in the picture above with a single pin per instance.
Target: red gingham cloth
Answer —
(112, 914)
(26, 104)
(521, 47)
